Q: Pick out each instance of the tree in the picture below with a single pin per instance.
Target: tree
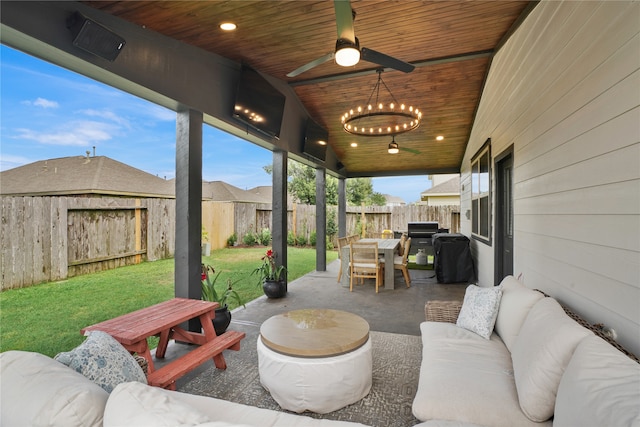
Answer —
(359, 190)
(302, 183)
(377, 199)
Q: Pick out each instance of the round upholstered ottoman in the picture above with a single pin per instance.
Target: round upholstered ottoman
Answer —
(315, 360)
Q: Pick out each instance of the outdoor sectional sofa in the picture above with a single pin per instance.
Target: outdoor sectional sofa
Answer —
(38, 390)
(511, 356)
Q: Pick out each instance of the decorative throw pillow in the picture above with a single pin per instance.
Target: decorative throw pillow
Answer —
(480, 309)
(104, 361)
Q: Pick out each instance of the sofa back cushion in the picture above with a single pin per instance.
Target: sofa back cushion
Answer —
(601, 386)
(540, 355)
(38, 391)
(516, 302)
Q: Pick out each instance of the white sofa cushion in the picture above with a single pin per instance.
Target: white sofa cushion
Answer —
(466, 378)
(601, 386)
(38, 391)
(104, 361)
(479, 310)
(129, 400)
(516, 302)
(136, 405)
(540, 354)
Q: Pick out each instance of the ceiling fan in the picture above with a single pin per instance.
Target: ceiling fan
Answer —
(394, 148)
(348, 51)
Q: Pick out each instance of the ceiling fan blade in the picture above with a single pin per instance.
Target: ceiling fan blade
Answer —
(344, 20)
(312, 64)
(409, 150)
(386, 61)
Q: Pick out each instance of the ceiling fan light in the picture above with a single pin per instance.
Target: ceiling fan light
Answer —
(347, 53)
(393, 148)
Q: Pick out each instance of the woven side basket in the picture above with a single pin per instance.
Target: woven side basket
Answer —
(442, 311)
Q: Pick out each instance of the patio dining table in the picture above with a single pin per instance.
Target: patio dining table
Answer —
(386, 247)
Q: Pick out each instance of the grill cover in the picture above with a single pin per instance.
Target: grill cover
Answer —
(453, 262)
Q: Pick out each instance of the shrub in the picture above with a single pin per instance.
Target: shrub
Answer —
(231, 240)
(313, 238)
(291, 239)
(250, 239)
(265, 237)
(301, 240)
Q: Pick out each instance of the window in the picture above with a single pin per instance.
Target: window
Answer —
(481, 194)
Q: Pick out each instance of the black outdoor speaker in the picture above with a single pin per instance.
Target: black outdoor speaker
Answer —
(94, 38)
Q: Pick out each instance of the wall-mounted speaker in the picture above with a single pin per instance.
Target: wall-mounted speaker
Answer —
(94, 38)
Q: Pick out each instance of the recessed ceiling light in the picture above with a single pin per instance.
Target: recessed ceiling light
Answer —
(354, 144)
(228, 26)
(439, 138)
(321, 142)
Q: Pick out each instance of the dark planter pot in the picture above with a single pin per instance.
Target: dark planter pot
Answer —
(222, 320)
(274, 289)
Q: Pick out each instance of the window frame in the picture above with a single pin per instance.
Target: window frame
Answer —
(481, 202)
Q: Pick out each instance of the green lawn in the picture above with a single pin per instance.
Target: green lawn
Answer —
(47, 318)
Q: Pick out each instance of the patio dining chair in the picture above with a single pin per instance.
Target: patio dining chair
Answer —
(364, 263)
(400, 262)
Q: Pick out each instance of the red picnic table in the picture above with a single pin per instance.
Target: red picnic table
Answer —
(164, 319)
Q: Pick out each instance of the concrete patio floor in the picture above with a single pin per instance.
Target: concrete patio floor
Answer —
(398, 311)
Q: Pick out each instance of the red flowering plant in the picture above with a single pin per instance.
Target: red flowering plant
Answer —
(209, 292)
(269, 271)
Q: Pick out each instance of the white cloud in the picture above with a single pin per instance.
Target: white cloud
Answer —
(79, 133)
(11, 161)
(41, 102)
(160, 113)
(107, 115)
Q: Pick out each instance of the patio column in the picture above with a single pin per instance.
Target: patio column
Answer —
(342, 207)
(279, 207)
(188, 204)
(321, 219)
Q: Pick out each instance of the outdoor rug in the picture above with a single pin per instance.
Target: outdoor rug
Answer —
(396, 367)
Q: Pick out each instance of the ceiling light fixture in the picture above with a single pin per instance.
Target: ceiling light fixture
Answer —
(379, 118)
(393, 147)
(439, 138)
(228, 26)
(347, 53)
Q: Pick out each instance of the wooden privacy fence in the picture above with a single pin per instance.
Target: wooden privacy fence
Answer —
(222, 219)
(51, 238)
(45, 239)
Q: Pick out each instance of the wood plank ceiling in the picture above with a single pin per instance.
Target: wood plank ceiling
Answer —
(450, 42)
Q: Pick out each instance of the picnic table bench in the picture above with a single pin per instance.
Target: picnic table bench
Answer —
(164, 319)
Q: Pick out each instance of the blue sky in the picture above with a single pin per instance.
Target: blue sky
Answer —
(48, 112)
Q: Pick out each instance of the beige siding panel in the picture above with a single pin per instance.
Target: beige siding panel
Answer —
(601, 262)
(615, 231)
(622, 198)
(610, 136)
(615, 167)
(563, 91)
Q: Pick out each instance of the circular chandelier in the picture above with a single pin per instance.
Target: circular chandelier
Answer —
(379, 118)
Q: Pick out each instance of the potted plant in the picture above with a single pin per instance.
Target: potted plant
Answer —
(271, 276)
(209, 293)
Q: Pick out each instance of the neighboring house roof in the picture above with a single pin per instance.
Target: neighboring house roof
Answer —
(220, 191)
(447, 188)
(82, 175)
(394, 200)
(263, 192)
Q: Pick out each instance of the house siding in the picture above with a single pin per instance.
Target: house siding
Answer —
(563, 91)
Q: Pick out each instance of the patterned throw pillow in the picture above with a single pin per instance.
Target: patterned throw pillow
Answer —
(480, 310)
(104, 361)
